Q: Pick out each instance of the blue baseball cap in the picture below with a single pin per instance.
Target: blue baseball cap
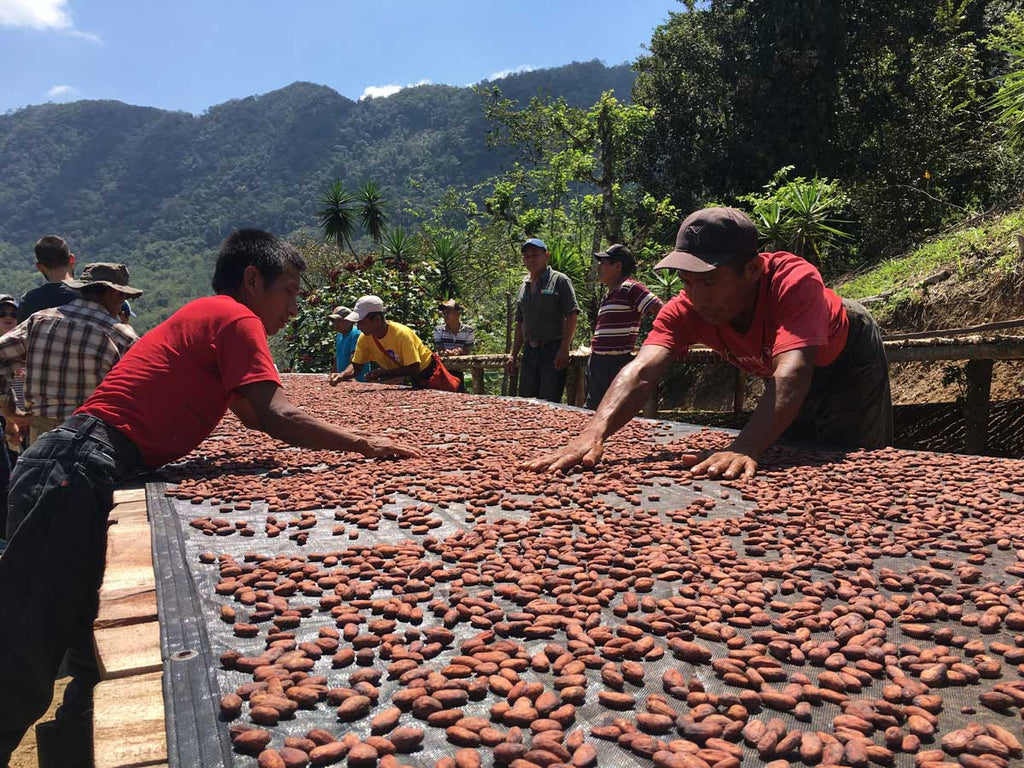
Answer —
(534, 241)
(126, 307)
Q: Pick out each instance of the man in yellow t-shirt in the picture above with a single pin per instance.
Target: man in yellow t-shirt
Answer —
(395, 348)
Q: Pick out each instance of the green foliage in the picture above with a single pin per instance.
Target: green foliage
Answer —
(799, 215)
(665, 283)
(887, 98)
(446, 254)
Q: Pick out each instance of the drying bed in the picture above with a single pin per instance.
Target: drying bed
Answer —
(838, 609)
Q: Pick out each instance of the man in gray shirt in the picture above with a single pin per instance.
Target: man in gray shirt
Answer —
(546, 312)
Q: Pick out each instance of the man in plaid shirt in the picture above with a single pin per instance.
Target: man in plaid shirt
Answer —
(66, 351)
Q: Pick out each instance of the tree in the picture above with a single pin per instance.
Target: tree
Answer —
(888, 98)
(338, 215)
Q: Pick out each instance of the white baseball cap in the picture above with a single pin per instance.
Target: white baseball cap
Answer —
(367, 305)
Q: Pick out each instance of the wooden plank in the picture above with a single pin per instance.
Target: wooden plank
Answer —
(129, 511)
(128, 723)
(1000, 326)
(128, 592)
(129, 560)
(123, 495)
(128, 650)
(131, 607)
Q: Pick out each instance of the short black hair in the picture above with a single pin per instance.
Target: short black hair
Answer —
(620, 254)
(253, 247)
(372, 315)
(52, 252)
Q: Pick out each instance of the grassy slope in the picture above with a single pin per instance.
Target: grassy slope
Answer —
(986, 250)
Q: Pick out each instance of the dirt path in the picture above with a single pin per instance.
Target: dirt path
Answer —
(25, 755)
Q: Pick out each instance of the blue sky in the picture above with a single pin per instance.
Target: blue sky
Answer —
(192, 54)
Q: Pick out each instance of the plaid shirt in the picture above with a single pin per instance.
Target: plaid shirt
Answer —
(66, 351)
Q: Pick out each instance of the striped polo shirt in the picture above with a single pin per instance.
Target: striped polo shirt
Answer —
(618, 319)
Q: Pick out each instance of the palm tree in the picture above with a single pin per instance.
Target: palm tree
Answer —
(337, 217)
(371, 209)
(447, 255)
(397, 244)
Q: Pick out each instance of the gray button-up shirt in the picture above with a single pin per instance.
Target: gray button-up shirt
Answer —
(542, 309)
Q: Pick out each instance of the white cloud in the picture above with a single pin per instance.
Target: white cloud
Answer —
(383, 91)
(92, 37)
(62, 92)
(35, 14)
(42, 15)
(506, 72)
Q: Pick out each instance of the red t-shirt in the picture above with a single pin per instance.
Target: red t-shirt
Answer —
(794, 310)
(174, 385)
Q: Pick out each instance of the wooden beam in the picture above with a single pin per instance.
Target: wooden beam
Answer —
(968, 330)
(976, 405)
(128, 592)
(124, 651)
(739, 390)
(478, 381)
(581, 387)
(128, 723)
(130, 493)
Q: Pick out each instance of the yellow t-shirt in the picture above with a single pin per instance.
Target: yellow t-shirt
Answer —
(401, 345)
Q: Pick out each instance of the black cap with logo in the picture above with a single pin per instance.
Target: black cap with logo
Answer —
(711, 237)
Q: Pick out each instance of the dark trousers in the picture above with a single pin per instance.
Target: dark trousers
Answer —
(61, 494)
(538, 376)
(849, 403)
(601, 372)
(5, 479)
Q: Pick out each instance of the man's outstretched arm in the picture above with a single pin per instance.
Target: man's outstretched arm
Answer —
(784, 394)
(624, 399)
(284, 421)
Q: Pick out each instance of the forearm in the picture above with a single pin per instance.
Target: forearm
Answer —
(517, 340)
(400, 373)
(294, 426)
(568, 331)
(778, 407)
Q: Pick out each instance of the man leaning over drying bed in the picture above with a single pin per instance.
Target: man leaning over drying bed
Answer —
(159, 402)
(769, 314)
(396, 349)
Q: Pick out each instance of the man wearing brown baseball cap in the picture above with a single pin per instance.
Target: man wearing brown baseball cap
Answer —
(769, 314)
(70, 348)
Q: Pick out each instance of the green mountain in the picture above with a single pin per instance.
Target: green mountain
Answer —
(159, 190)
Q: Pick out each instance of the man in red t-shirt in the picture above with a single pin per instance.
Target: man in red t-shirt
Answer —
(769, 314)
(161, 400)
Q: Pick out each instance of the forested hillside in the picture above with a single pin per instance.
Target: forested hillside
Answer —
(159, 190)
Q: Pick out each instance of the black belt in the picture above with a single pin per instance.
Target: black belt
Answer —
(542, 344)
(125, 451)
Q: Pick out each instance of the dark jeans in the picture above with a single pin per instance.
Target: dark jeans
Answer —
(538, 376)
(849, 404)
(5, 479)
(601, 372)
(61, 494)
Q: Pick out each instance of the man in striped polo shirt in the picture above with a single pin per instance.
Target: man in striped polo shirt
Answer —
(618, 320)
